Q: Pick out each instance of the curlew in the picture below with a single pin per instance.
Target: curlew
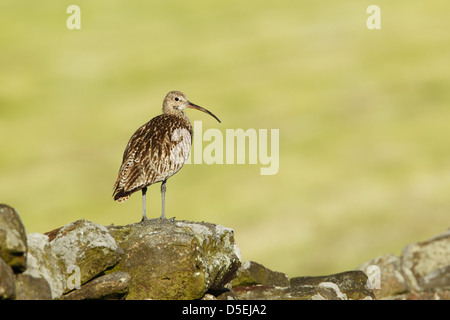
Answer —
(157, 150)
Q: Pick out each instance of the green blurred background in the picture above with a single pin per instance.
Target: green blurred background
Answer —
(363, 117)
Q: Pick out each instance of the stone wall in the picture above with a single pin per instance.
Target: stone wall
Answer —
(165, 259)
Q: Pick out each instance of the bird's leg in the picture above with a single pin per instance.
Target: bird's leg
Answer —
(163, 198)
(144, 191)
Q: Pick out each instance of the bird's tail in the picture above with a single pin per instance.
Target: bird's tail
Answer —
(120, 194)
(121, 199)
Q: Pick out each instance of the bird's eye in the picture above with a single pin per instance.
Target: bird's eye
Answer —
(177, 99)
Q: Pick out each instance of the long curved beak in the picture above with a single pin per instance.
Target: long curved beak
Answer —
(194, 106)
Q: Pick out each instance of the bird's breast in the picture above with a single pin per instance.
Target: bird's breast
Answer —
(170, 145)
(180, 145)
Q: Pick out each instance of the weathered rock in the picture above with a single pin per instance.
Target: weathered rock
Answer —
(426, 265)
(435, 294)
(43, 263)
(208, 297)
(251, 273)
(351, 283)
(7, 286)
(31, 288)
(329, 291)
(176, 259)
(322, 291)
(13, 240)
(260, 292)
(385, 275)
(113, 286)
(85, 246)
(164, 259)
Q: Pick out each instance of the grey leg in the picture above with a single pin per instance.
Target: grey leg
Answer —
(163, 198)
(144, 191)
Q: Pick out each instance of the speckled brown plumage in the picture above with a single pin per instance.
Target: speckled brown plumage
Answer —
(157, 150)
(147, 159)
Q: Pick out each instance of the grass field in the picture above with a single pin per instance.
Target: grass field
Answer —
(363, 118)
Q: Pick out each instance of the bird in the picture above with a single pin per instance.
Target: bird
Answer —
(157, 150)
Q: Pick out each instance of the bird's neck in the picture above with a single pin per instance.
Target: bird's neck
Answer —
(181, 115)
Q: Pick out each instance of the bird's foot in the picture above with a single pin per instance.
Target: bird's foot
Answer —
(143, 220)
(163, 218)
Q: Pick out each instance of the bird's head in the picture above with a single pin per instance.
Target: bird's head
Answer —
(176, 101)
